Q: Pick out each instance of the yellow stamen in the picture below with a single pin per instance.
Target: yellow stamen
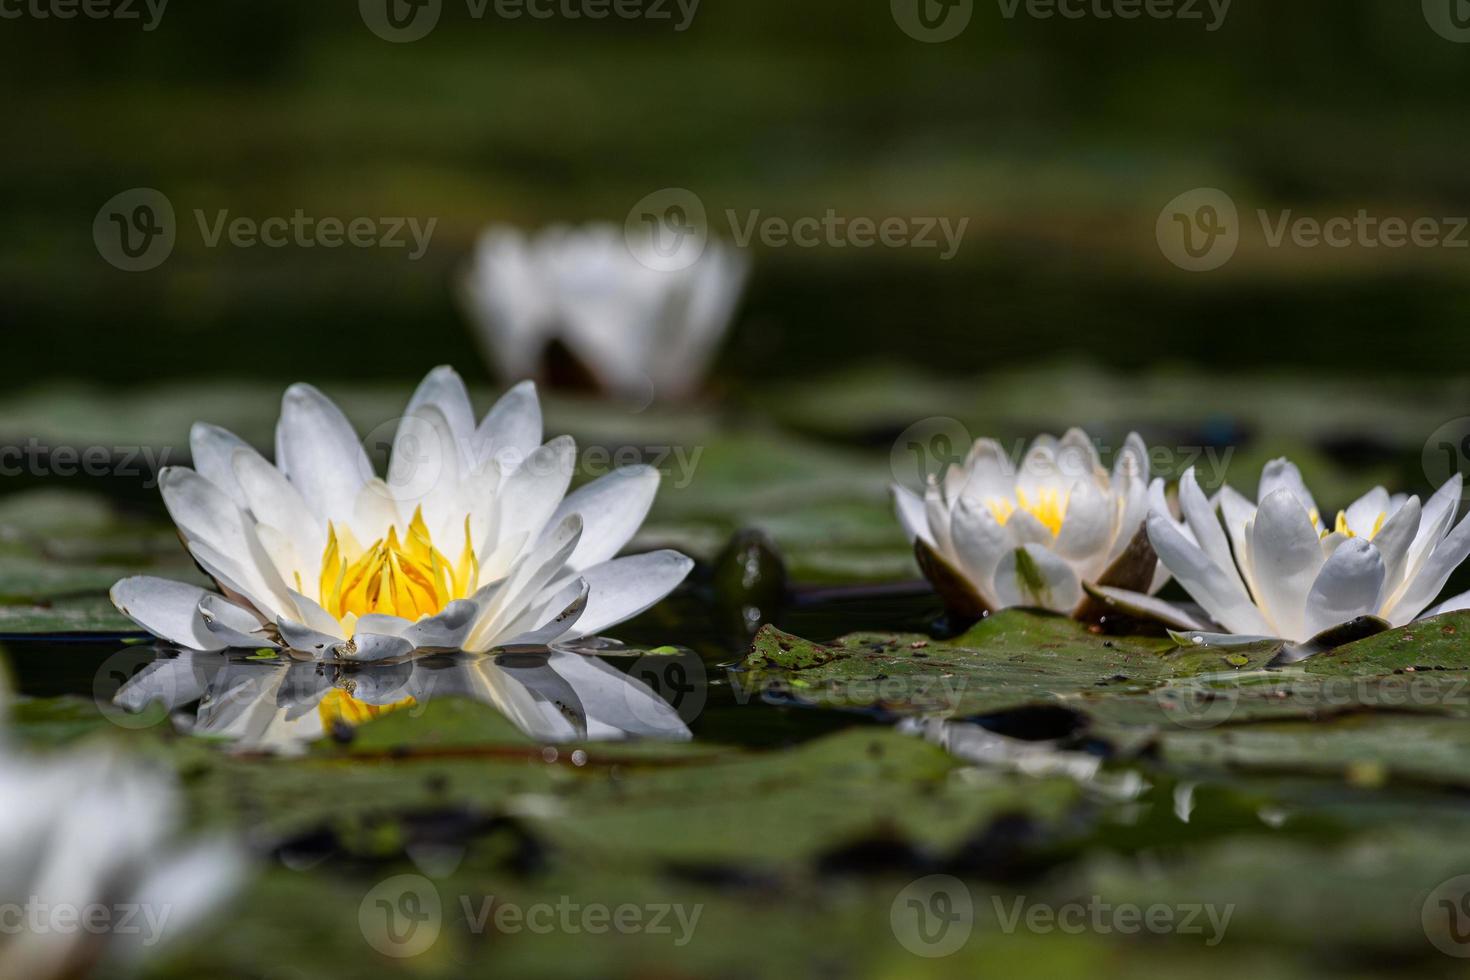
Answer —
(341, 706)
(1342, 525)
(1050, 508)
(409, 578)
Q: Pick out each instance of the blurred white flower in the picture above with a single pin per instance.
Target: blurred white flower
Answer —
(1276, 570)
(644, 332)
(90, 867)
(472, 542)
(990, 536)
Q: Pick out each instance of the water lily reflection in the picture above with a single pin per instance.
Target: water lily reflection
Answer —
(284, 706)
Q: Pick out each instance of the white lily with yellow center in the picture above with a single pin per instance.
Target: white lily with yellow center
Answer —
(1275, 569)
(644, 328)
(990, 535)
(472, 543)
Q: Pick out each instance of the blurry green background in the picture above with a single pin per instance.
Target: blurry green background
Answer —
(1061, 141)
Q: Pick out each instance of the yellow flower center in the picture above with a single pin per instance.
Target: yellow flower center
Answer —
(1050, 508)
(1342, 525)
(409, 577)
(341, 706)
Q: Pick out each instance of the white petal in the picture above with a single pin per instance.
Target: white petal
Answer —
(213, 451)
(1434, 523)
(447, 630)
(1282, 474)
(1207, 583)
(534, 491)
(425, 471)
(1347, 587)
(445, 391)
(276, 502)
(1130, 493)
(310, 614)
(936, 515)
(374, 647)
(318, 450)
(1286, 556)
(539, 568)
(1393, 541)
(511, 430)
(910, 509)
(233, 625)
(1146, 607)
(1039, 470)
(302, 638)
(612, 508)
(169, 610)
(1203, 523)
(979, 543)
(1077, 459)
(1237, 513)
(381, 623)
(1364, 512)
(1032, 576)
(1454, 604)
(1132, 460)
(1431, 578)
(989, 473)
(624, 587)
(1087, 529)
(1025, 528)
(1220, 641)
(553, 620)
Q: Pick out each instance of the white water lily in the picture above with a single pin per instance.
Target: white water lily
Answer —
(1274, 569)
(643, 332)
(990, 535)
(472, 543)
(91, 834)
